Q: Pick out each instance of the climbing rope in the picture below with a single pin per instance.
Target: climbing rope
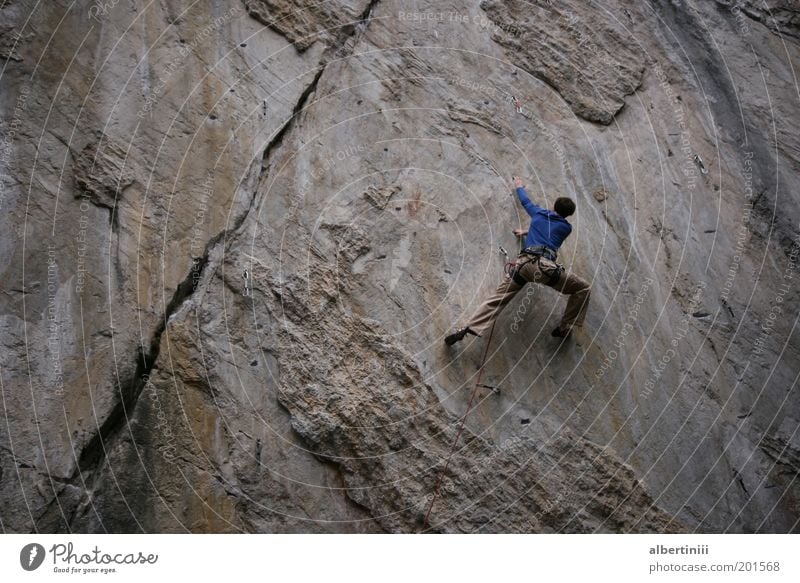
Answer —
(509, 266)
(461, 425)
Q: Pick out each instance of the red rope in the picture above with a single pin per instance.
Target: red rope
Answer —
(461, 427)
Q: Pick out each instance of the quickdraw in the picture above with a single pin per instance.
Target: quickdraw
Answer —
(510, 264)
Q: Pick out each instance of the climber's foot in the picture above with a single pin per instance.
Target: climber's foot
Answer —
(558, 332)
(458, 335)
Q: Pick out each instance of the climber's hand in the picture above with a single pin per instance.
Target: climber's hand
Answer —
(520, 232)
(518, 182)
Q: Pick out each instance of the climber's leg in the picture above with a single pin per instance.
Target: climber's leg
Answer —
(578, 291)
(488, 311)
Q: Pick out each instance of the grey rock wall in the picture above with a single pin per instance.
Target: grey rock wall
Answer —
(353, 159)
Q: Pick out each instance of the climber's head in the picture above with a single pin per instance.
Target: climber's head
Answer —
(564, 206)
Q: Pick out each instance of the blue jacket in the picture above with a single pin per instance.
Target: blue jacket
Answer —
(547, 227)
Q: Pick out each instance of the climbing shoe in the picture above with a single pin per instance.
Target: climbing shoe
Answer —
(458, 335)
(559, 333)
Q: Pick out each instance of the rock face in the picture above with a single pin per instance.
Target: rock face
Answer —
(235, 234)
(304, 23)
(583, 51)
(781, 16)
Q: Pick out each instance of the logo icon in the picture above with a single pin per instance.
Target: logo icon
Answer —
(31, 556)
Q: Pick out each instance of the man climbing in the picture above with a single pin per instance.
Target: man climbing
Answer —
(536, 263)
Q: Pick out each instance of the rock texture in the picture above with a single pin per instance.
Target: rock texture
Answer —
(234, 235)
(582, 50)
(304, 23)
(782, 16)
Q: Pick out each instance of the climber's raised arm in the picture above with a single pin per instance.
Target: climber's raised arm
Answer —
(530, 208)
(536, 263)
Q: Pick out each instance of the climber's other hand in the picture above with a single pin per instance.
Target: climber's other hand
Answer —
(518, 182)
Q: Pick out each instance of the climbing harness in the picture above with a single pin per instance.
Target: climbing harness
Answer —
(541, 251)
(535, 253)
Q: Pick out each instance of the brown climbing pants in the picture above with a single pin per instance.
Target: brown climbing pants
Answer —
(538, 271)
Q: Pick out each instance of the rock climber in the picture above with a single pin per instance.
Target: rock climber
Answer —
(536, 263)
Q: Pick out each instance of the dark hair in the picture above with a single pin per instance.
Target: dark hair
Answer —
(564, 206)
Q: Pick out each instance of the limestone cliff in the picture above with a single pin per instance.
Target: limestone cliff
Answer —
(235, 232)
